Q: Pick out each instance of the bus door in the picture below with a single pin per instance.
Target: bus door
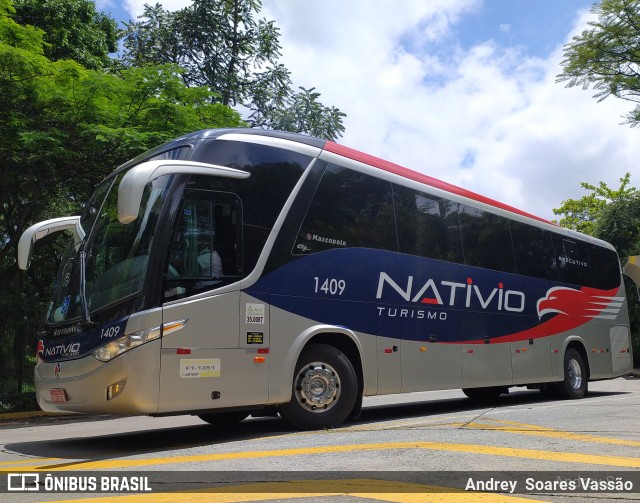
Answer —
(206, 364)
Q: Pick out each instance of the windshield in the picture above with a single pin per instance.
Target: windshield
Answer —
(116, 255)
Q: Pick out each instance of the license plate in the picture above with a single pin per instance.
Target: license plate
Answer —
(58, 395)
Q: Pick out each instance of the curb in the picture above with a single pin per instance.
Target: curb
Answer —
(28, 415)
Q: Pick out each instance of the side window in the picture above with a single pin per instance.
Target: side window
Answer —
(533, 249)
(349, 209)
(274, 174)
(606, 268)
(573, 260)
(486, 239)
(174, 153)
(205, 246)
(427, 225)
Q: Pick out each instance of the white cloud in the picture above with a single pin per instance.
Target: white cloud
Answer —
(487, 118)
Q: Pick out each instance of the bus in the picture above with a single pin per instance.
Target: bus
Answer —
(233, 272)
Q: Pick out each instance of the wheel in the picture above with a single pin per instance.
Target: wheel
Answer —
(324, 389)
(575, 383)
(485, 394)
(225, 420)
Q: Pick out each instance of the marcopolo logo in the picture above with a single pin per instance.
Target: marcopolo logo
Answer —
(450, 293)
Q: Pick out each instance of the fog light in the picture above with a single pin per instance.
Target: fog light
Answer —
(115, 389)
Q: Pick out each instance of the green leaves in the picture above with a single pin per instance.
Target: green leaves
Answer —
(73, 30)
(222, 45)
(584, 214)
(66, 126)
(607, 55)
(300, 113)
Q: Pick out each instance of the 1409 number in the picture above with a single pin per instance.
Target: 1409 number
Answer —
(330, 286)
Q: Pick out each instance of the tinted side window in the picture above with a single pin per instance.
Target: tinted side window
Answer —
(486, 240)
(427, 225)
(205, 249)
(274, 174)
(174, 153)
(533, 249)
(605, 271)
(573, 260)
(349, 209)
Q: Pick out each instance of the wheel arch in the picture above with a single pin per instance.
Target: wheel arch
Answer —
(340, 338)
(347, 345)
(578, 344)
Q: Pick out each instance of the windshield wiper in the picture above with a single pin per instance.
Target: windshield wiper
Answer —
(86, 318)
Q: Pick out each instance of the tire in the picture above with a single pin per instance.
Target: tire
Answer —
(576, 382)
(485, 394)
(324, 389)
(225, 420)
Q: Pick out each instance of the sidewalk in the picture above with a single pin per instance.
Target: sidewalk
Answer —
(11, 416)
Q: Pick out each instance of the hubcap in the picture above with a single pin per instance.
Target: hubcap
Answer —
(317, 387)
(574, 372)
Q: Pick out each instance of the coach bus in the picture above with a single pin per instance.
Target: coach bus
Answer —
(237, 272)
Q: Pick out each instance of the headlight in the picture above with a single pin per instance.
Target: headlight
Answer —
(125, 343)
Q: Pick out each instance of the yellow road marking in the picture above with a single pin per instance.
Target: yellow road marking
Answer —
(381, 490)
(27, 461)
(541, 431)
(564, 457)
(510, 427)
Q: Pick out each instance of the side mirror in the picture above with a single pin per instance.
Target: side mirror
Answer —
(134, 181)
(632, 269)
(42, 229)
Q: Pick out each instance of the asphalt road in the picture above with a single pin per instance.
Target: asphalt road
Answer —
(404, 448)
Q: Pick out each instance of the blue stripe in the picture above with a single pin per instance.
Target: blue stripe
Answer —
(297, 287)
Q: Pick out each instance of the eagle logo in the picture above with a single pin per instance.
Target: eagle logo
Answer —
(585, 303)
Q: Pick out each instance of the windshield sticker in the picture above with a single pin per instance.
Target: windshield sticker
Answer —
(191, 368)
(254, 313)
(65, 304)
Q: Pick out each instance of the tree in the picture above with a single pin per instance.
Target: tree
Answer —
(584, 214)
(73, 29)
(619, 224)
(64, 129)
(607, 55)
(299, 113)
(221, 44)
(613, 216)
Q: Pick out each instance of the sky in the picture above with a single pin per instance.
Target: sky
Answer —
(462, 90)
